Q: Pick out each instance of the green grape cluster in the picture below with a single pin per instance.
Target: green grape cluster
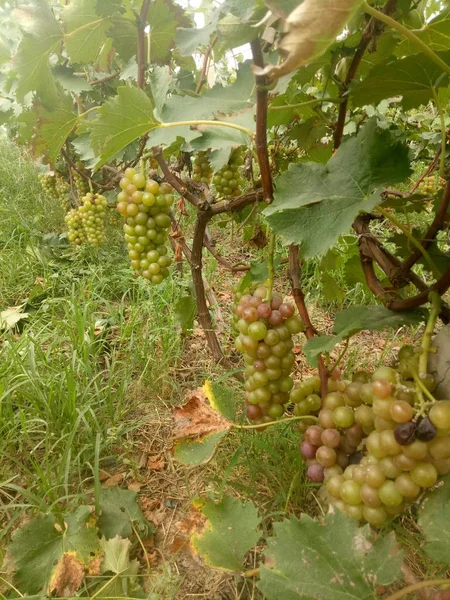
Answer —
(93, 214)
(56, 187)
(373, 446)
(431, 185)
(228, 181)
(202, 169)
(265, 340)
(145, 205)
(81, 184)
(75, 230)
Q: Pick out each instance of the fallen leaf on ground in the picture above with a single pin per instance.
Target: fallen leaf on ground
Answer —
(134, 486)
(197, 418)
(156, 462)
(68, 575)
(153, 510)
(114, 480)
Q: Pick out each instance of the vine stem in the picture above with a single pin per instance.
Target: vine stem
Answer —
(411, 238)
(407, 33)
(443, 133)
(89, 110)
(435, 300)
(308, 103)
(205, 122)
(417, 586)
(280, 421)
(340, 357)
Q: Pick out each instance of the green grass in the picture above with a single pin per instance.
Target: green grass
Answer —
(92, 332)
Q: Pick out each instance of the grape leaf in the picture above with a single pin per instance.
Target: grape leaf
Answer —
(119, 509)
(435, 524)
(39, 545)
(218, 101)
(350, 321)
(42, 36)
(185, 310)
(188, 39)
(121, 120)
(221, 140)
(124, 36)
(160, 80)
(436, 35)
(412, 77)
(53, 128)
(314, 203)
(85, 30)
(196, 452)
(116, 557)
(231, 530)
(164, 17)
(65, 76)
(84, 150)
(336, 560)
(222, 399)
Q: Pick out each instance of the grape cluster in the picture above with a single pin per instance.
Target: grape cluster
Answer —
(373, 447)
(228, 181)
(202, 169)
(265, 340)
(81, 185)
(75, 229)
(93, 214)
(145, 204)
(430, 186)
(56, 187)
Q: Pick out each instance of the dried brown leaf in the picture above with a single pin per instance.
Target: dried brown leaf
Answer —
(114, 480)
(68, 575)
(156, 462)
(197, 418)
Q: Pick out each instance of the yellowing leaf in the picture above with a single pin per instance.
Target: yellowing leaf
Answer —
(68, 575)
(310, 29)
(11, 316)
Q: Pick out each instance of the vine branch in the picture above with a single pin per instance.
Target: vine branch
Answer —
(140, 51)
(205, 65)
(299, 298)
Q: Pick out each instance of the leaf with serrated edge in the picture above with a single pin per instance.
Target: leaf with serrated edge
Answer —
(160, 79)
(122, 120)
(412, 77)
(164, 20)
(119, 509)
(53, 128)
(85, 30)
(435, 524)
(336, 560)
(314, 204)
(221, 398)
(231, 530)
(196, 452)
(42, 36)
(36, 546)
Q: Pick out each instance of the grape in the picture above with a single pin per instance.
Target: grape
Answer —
(326, 418)
(75, 229)
(440, 448)
(314, 435)
(424, 474)
(145, 204)
(315, 473)
(352, 394)
(374, 476)
(331, 438)
(93, 213)
(308, 450)
(385, 374)
(389, 494)
(381, 388)
(430, 185)
(405, 434)
(389, 468)
(228, 180)
(376, 516)
(333, 400)
(351, 493)
(326, 456)
(55, 186)
(426, 431)
(202, 169)
(417, 450)
(406, 352)
(401, 411)
(403, 462)
(343, 416)
(440, 414)
(406, 486)
(369, 495)
(334, 485)
(389, 443)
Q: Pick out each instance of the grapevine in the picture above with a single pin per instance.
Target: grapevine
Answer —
(145, 205)
(202, 168)
(56, 187)
(228, 181)
(93, 213)
(431, 185)
(75, 229)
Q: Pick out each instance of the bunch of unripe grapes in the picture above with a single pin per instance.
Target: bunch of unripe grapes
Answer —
(374, 447)
(56, 187)
(93, 214)
(430, 186)
(228, 181)
(145, 205)
(202, 168)
(75, 229)
(81, 185)
(266, 328)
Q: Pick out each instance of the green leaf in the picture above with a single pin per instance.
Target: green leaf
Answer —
(336, 560)
(412, 77)
(122, 120)
(185, 310)
(53, 128)
(188, 39)
(221, 140)
(216, 102)
(85, 30)
(314, 203)
(232, 530)
(160, 80)
(119, 509)
(116, 558)
(223, 399)
(307, 134)
(164, 18)
(353, 271)
(70, 82)
(39, 545)
(436, 35)
(331, 290)
(124, 36)
(358, 318)
(196, 452)
(41, 37)
(435, 524)
(257, 274)
(84, 151)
